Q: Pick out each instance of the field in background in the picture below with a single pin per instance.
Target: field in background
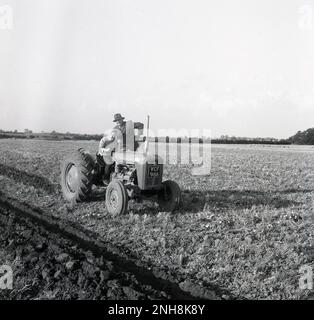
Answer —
(246, 228)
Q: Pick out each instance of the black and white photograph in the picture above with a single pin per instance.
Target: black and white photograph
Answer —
(156, 151)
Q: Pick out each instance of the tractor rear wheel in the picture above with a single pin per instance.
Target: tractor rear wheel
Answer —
(116, 198)
(169, 197)
(77, 176)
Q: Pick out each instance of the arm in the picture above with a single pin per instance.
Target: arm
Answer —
(109, 142)
(105, 141)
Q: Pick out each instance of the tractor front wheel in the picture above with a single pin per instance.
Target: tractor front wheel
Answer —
(169, 197)
(116, 198)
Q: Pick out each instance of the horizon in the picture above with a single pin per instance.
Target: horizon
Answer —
(240, 69)
(223, 136)
(101, 133)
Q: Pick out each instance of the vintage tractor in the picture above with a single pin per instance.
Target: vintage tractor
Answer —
(134, 174)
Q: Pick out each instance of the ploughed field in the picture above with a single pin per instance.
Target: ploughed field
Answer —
(245, 229)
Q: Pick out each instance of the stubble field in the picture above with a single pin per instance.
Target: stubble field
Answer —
(244, 230)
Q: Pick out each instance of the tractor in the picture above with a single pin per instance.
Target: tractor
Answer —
(135, 173)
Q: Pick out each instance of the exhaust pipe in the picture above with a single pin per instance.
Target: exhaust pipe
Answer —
(147, 136)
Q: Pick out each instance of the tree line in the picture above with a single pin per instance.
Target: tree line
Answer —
(301, 137)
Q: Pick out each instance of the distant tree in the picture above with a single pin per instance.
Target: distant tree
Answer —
(305, 137)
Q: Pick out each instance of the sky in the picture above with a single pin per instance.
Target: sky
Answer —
(243, 68)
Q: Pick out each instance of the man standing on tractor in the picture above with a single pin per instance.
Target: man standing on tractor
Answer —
(110, 142)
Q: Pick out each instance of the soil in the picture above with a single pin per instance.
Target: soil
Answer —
(243, 232)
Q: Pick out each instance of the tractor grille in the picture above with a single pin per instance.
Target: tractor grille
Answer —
(153, 175)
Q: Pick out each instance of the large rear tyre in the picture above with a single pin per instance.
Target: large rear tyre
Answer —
(169, 197)
(77, 176)
(116, 198)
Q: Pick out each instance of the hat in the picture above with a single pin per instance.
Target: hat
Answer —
(117, 117)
